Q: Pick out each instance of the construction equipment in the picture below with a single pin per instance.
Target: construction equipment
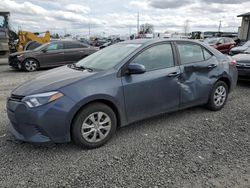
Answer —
(11, 42)
(28, 40)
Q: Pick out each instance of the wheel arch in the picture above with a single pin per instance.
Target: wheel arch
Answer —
(33, 59)
(227, 81)
(107, 102)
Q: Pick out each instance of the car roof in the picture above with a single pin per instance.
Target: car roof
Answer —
(66, 41)
(148, 41)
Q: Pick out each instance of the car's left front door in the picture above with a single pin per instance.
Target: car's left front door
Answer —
(52, 55)
(155, 91)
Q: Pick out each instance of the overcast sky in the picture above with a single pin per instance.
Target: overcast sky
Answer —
(120, 16)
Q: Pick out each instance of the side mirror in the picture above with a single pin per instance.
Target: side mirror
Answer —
(136, 69)
(44, 50)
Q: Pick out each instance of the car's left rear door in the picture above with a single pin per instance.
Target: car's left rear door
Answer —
(72, 52)
(199, 70)
(157, 90)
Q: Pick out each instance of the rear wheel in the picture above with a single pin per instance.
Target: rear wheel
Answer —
(30, 65)
(94, 125)
(218, 97)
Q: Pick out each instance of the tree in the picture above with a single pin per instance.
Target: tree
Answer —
(146, 29)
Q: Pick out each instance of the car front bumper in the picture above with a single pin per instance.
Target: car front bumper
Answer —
(14, 61)
(244, 72)
(47, 123)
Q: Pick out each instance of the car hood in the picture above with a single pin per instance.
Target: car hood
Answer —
(22, 53)
(242, 58)
(239, 48)
(51, 81)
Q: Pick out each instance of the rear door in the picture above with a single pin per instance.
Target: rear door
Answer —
(73, 52)
(198, 69)
(155, 91)
(52, 55)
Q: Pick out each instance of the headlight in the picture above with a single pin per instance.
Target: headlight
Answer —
(41, 99)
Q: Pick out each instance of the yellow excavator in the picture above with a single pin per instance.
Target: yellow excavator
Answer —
(11, 42)
(28, 40)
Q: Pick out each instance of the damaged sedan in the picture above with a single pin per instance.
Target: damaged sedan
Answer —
(124, 83)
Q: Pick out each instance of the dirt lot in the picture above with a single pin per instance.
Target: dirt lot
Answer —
(191, 148)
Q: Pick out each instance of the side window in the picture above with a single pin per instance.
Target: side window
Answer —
(156, 57)
(71, 45)
(190, 53)
(83, 46)
(207, 55)
(221, 41)
(54, 46)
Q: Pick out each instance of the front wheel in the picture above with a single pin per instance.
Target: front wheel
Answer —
(218, 97)
(94, 125)
(30, 65)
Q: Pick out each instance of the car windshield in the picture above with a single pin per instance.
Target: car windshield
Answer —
(108, 57)
(247, 51)
(247, 44)
(211, 40)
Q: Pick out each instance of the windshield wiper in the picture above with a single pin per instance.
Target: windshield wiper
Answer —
(74, 66)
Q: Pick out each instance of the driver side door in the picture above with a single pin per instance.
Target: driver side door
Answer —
(53, 55)
(155, 91)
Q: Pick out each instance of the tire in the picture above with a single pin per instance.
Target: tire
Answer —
(30, 65)
(218, 97)
(89, 129)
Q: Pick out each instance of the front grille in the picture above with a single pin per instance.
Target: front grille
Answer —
(243, 64)
(17, 98)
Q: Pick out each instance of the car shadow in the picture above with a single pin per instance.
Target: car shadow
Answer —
(125, 132)
(244, 83)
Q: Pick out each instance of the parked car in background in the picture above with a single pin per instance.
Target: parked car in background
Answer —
(123, 83)
(240, 49)
(243, 64)
(223, 44)
(51, 54)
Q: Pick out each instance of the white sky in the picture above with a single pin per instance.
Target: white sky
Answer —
(120, 16)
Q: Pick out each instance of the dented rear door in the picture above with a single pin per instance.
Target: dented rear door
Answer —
(199, 68)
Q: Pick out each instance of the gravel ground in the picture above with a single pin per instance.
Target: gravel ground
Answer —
(190, 148)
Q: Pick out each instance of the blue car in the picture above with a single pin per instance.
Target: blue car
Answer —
(124, 83)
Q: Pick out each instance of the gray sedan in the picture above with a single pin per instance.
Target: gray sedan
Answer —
(51, 54)
(126, 82)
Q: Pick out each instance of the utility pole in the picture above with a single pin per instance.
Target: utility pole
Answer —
(220, 26)
(138, 23)
(89, 30)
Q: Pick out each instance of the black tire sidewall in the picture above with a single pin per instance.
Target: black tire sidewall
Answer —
(82, 115)
(211, 103)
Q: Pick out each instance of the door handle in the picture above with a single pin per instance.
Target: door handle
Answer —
(173, 74)
(61, 53)
(212, 66)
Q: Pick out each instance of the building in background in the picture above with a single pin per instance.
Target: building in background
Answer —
(244, 31)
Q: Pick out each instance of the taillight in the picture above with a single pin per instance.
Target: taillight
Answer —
(233, 62)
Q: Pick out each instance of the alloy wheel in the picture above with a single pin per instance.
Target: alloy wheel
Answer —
(96, 127)
(220, 95)
(30, 65)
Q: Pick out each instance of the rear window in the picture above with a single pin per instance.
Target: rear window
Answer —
(72, 45)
